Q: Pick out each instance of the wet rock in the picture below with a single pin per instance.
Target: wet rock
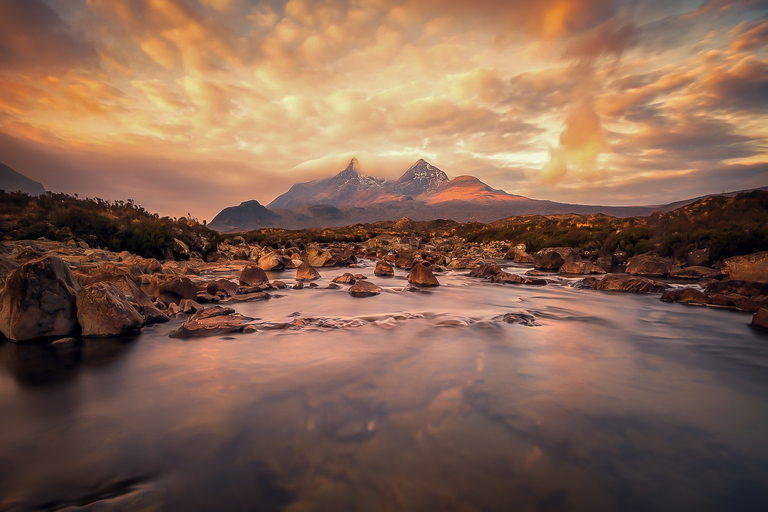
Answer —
(624, 283)
(518, 255)
(695, 273)
(253, 275)
(39, 299)
(306, 272)
(179, 288)
(211, 326)
(298, 286)
(316, 257)
(332, 286)
(552, 258)
(685, 295)
(422, 276)
(127, 283)
(580, 268)
(535, 281)
(488, 270)
(753, 267)
(383, 269)
(737, 287)
(104, 310)
(205, 297)
(405, 260)
(760, 319)
(649, 264)
(523, 317)
(212, 312)
(249, 297)
(364, 289)
(464, 263)
(280, 285)
(222, 288)
(345, 278)
(7, 265)
(507, 278)
(189, 307)
(271, 261)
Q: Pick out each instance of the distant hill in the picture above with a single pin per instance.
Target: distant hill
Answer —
(12, 181)
(422, 193)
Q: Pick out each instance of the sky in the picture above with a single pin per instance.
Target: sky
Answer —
(189, 106)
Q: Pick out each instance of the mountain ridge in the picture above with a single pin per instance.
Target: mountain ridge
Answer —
(14, 181)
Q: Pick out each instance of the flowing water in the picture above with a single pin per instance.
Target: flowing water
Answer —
(404, 401)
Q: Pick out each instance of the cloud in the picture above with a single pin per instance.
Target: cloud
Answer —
(581, 143)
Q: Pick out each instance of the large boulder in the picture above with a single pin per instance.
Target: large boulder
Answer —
(552, 258)
(422, 276)
(364, 289)
(383, 269)
(649, 264)
(179, 287)
(253, 275)
(760, 318)
(752, 267)
(518, 254)
(180, 249)
(317, 258)
(39, 299)
(305, 272)
(104, 310)
(124, 280)
(271, 261)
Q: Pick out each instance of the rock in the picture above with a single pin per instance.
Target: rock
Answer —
(624, 283)
(364, 289)
(383, 269)
(179, 288)
(760, 319)
(253, 275)
(332, 286)
(649, 264)
(737, 287)
(212, 312)
(552, 258)
(698, 258)
(180, 249)
(151, 266)
(104, 310)
(345, 278)
(507, 278)
(405, 260)
(685, 295)
(523, 317)
(422, 276)
(127, 283)
(271, 261)
(211, 326)
(205, 297)
(223, 287)
(189, 307)
(7, 265)
(695, 273)
(298, 286)
(463, 263)
(317, 258)
(518, 255)
(39, 299)
(488, 270)
(580, 268)
(753, 267)
(305, 272)
(280, 285)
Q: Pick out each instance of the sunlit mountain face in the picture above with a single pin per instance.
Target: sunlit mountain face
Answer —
(193, 105)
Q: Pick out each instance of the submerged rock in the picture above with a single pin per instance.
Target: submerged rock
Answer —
(364, 289)
(422, 276)
(104, 310)
(39, 299)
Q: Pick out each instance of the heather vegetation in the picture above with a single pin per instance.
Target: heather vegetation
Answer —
(118, 225)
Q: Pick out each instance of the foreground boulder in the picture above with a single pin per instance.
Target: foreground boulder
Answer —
(364, 289)
(383, 269)
(104, 310)
(649, 264)
(305, 272)
(125, 282)
(422, 276)
(39, 299)
(552, 258)
(623, 283)
(752, 267)
(760, 319)
(253, 275)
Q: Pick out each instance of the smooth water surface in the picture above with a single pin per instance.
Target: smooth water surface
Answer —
(404, 401)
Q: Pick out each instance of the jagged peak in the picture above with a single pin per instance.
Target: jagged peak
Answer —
(422, 169)
(352, 168)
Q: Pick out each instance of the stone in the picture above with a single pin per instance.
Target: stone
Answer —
(508, 278)
(39, 299)
(422, 276)
(179, 288)
(625, 283)
(695, 273)
(316, 257)
(552, 258)
(685, 295)
(271, 261)
(180, 249)
(104, 310)
(280, 285)
(760, 319)
(7, 265)
(737, 287)
(211, 326)
(223, 287)
(488, 270)
(752, 267)
(580, 268)
(332, 286)
(649, 264)
(253, 275)
(211, 312)
(364, 289)
(306, 272)
(699, 257)
(189, 307)
(345, 278)
(518, 255)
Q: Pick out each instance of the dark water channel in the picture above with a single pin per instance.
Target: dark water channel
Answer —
(418, 401)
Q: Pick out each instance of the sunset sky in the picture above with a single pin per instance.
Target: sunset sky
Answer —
(195, 105)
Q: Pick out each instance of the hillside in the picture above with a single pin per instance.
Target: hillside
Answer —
(12, 181)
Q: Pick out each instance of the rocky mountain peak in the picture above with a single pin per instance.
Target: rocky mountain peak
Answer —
(421, 178)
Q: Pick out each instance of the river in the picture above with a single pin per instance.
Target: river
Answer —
(404, 401)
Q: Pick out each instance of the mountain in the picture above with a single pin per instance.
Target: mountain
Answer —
(422, 193)
(12, 181)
